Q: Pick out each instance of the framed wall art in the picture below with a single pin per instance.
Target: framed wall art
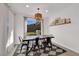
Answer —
(60, 21)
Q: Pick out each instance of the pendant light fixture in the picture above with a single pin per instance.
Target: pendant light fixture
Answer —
(38, 15)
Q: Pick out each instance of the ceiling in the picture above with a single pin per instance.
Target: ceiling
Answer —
(51, 7)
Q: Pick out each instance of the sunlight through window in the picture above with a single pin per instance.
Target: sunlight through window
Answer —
(10, 40)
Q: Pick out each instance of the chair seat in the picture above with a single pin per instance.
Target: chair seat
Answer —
(23, 42)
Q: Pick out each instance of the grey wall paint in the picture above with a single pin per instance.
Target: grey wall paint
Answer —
(3, 28)
(10, 25)
(68, 34)
(4, 17)
(19, 27)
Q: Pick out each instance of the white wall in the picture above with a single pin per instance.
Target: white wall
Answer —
(68, 34)
(4, 31)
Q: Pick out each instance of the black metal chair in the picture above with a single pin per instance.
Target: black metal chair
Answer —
(44, 44)
(23, 43)
(49, 42)
(36, 43)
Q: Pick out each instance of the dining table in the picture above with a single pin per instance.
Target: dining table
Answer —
(33, 38)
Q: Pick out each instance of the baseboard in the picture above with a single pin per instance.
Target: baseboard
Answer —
(66, 47)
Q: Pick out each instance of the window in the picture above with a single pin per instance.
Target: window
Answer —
(32, 27)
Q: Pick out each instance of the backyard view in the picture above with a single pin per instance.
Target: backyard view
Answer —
(33, 27)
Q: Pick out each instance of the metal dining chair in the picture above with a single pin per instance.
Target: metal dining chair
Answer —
(47, 43)
(23, 43)
(36, 44)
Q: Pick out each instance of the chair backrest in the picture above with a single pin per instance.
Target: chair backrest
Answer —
(48, 40)
(37, 39)
(20, 38)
